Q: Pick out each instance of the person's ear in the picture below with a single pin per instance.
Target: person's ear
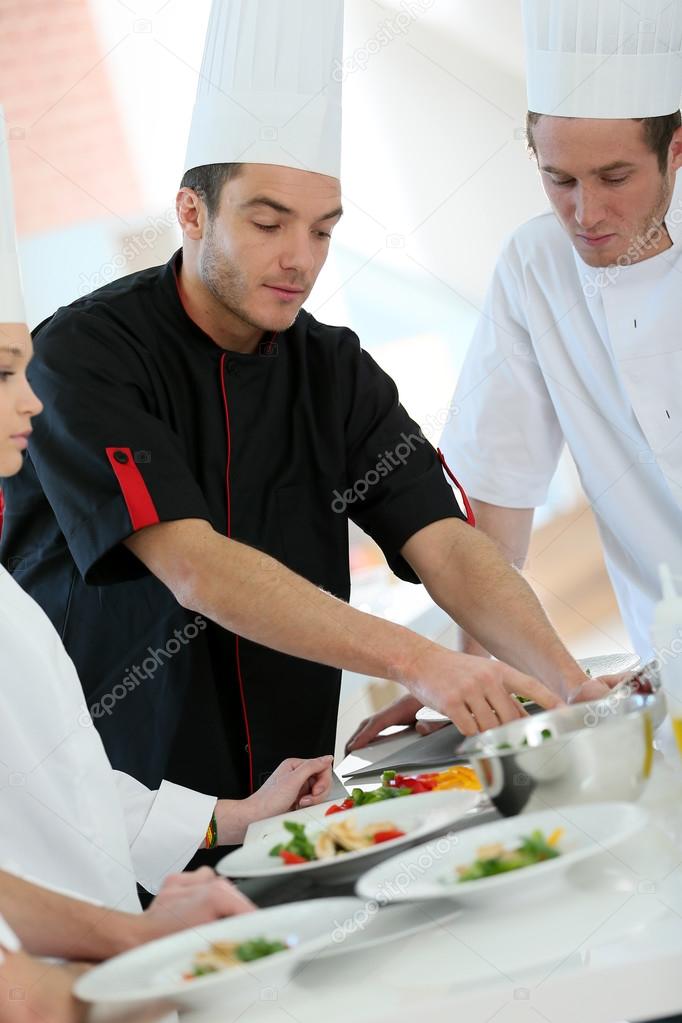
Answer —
(191, 213)
(676, 150)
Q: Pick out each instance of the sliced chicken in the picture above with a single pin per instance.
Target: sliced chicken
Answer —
(325, 847)
(490, 852)
(348, 837)
(219, 956)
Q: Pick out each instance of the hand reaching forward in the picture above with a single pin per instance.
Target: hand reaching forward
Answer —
(189, 899)
(295, 784)
(473, 692)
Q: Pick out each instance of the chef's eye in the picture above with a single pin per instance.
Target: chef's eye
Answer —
(563, 182)
(323, 234)
(5, 374)
(616, 181)
(266, 227)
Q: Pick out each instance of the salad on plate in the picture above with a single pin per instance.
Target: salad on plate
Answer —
(222, 955)
(335, 840)
(394, 785)
(496, 859)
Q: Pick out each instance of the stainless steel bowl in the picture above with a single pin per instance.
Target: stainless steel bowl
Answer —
(585, 753)
(646, 683)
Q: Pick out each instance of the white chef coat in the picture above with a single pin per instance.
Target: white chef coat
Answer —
(568, 353)
(67, 820)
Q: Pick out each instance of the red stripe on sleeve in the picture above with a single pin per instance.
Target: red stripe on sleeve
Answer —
(471, 518)
(141, 508)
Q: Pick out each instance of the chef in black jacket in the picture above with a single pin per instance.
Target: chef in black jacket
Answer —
(183, 513)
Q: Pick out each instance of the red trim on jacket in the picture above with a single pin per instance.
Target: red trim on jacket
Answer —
(471, 518)
(139, 503)
(229, 445)
(228, 490)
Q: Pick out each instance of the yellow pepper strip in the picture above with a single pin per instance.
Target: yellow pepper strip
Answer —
(457, 778)
(556, 836)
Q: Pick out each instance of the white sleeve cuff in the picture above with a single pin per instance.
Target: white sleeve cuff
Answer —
(8, 939)
(497, 486)
(165, 828)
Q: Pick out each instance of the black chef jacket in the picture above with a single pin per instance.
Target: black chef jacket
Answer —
(146, 419)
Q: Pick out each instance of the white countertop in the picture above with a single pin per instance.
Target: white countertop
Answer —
(600, 945)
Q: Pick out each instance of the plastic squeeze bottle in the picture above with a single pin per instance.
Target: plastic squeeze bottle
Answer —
(667, 637)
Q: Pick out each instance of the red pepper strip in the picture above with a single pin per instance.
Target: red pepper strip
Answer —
(415, 785)
(347, 804)
(387, 836)
(291, 858)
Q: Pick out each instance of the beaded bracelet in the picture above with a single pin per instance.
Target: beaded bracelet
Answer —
(212, 834)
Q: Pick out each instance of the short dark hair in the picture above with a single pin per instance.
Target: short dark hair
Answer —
(658, 133)
(208, 181)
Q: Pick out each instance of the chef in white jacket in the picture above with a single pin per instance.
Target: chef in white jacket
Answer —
(67, 820)
(580, 341)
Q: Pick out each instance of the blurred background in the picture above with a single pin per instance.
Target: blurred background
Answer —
(98, 96)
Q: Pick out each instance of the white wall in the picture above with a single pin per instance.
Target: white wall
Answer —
(434, 168)
(439, 126)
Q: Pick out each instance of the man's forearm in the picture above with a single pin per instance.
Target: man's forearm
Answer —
(468, 577)
(49, 924)
(510, 529)
(252, 595)
(256, 597)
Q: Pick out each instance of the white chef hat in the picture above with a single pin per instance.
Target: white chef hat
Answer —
(11, 296)
(270, 86)
(604, 58)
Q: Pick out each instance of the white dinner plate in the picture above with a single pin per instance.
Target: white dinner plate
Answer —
(155, 970)
(418, 816)
(271, 825)
(367, 925)
(317, 813)
(429, 871)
